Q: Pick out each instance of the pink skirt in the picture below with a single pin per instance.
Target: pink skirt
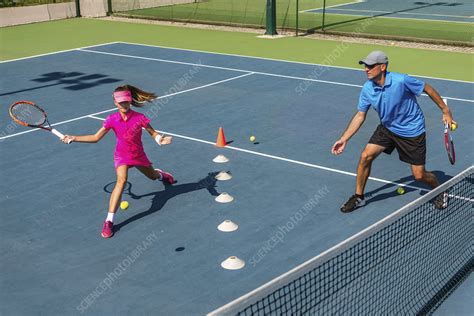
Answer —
(138, 160)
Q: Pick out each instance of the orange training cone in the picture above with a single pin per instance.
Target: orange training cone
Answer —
(221, 138)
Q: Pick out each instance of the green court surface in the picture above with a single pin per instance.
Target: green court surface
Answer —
(42, 38)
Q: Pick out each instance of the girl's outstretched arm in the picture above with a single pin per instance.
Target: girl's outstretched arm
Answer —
(87, 138)
(160, 139)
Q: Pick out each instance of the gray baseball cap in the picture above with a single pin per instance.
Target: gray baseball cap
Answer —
(375, 57)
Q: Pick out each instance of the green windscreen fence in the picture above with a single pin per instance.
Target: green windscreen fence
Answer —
(434, 21)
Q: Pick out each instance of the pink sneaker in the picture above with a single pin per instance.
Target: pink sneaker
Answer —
(166, 176)
(107, 231)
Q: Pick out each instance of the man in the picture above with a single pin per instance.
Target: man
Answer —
(402, 124)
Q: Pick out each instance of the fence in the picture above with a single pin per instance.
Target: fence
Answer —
(449, 22)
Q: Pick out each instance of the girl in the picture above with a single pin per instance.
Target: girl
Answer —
(127, 125)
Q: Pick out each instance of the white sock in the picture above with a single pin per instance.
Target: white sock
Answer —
(159, 175)
(110, 217)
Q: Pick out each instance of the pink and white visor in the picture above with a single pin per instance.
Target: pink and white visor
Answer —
(123, 96)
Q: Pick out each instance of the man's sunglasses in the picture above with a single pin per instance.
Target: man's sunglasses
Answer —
(371, 66)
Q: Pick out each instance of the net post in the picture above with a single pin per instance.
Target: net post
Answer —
(78, 9)
(271, 18)
(324, 15)
(297, 15)
(109, 7)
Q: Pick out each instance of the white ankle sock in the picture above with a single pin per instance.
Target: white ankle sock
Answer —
(159, 174)
(110, 217)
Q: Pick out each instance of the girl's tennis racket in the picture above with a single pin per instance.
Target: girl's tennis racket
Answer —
(449, 144)
(27, 113)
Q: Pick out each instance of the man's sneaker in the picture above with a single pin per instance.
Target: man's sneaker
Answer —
(166, 176)
(107, 230)
(441, 201)
(351, 204)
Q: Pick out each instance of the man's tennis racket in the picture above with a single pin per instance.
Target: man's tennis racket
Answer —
(449, 144)
(27, 113)
(448, 141)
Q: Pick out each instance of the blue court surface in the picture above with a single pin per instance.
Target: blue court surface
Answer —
(450, 11)
(54, 196)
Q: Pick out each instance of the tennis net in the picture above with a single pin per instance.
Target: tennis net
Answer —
(407, 264)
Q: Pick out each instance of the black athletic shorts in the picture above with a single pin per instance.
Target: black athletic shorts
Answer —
(411, 150)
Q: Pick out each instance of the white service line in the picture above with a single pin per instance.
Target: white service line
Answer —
(227, 54)
(161, 60)
(109, 110)
(406, 13)
(57, 52)
(246, 71)
(277, 60)
(332, 6)
(410, 19)
(280, 158)
(221, 68)
(96, 117)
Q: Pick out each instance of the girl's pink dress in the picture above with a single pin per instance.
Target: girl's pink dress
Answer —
(129, 150)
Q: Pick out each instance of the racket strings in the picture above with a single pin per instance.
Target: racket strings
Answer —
(28, 114)
(448, 142)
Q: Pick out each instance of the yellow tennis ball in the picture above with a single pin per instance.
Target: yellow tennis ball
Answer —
(453, 126)
(400, 190)
(252, 138)
(124, 205)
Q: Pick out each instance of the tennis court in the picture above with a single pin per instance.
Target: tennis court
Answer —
(165, 257)
(452, 11)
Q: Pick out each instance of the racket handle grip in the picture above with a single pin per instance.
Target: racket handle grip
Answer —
(59, 134)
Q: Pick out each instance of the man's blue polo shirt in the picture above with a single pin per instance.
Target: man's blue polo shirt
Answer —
(395, 103)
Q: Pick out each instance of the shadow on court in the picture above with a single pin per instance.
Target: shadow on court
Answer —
(71, 80)
(161, 197)
(374, 196)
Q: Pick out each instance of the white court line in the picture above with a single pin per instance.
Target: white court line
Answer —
(409, 19)
(231, 55)
(333, 6)
(162, 60)
(337, 171)
(218, 67)
(58, 52)
(297, 162)
(109, 110)
(406, 13)
(277, 60)
(95, 117)
(281, 158)
(272, 286)
(247, 71)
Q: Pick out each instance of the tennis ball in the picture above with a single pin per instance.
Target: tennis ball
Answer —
(453, 126)
(124, 205)
(400, 190)
(252, 138)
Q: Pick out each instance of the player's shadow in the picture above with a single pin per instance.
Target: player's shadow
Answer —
(374, 196)
(161, 197)
(69, 80)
